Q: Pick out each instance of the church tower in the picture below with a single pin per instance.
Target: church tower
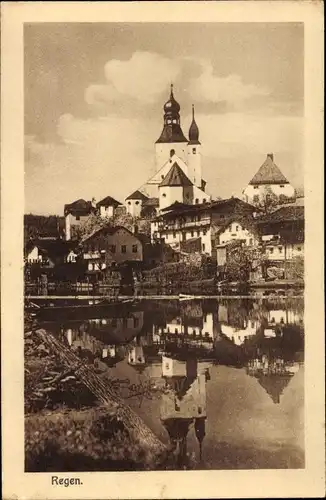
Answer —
(194, 153)
(172, 137)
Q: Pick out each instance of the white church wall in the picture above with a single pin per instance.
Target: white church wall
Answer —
(194, 164)
(162, 152)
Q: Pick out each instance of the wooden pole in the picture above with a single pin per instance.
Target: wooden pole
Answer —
(138, 430)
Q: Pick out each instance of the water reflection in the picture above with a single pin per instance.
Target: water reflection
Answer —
(191, 365)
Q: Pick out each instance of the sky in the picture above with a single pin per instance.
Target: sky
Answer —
(94, 96)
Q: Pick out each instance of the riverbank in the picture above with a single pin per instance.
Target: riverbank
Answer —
(66, 429)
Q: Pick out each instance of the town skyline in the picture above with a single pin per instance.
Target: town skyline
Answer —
(90, 129)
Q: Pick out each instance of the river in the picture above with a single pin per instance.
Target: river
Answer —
(220, 379)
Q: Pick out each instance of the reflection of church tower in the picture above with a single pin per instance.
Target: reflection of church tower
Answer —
(200, 433)
(275, 385)
(172, 136)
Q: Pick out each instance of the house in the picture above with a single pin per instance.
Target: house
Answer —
(49, 252)
(269, 181)
(110, 246)
(75, 214)
(181, 222)
(243, 230)
(282, 233)
(107, 206)
(134, 202)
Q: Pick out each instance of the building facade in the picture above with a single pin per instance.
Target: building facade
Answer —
(268, 182)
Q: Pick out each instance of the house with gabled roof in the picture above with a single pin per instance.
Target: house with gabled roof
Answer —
(175, 187)
(269, 181)
(134, 202)
(107, 206)
(75, 214)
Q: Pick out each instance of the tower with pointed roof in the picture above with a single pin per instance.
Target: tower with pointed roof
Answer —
(194, 153)
(171, 136)
(175, 187)
(269, 180)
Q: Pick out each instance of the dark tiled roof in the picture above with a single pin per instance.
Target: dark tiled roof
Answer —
(151, 202)
(212, 206)
(284, 214)
(171, 133)
(107, 230)
(137, 195)
(52, 248)
(79, 207)
(108, 201)
(176, 177)
(269, 173)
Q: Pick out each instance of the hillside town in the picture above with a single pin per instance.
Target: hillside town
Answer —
(170, 233)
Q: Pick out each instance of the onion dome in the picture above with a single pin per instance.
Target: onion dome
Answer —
(172, 131)
(171, 106)
(193, 130)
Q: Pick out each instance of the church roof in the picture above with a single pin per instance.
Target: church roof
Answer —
(176, 177)
(137, 195)
(171, 132)
(193, 130)
(269, 173)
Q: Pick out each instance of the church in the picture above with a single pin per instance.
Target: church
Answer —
(178, 169)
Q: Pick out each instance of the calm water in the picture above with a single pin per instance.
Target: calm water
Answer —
(222, 380)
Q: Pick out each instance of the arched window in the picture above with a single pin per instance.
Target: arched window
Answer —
(164, 195)
(137, 202)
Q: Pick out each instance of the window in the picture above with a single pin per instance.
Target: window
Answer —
(137, 203)
(250, 241)
(280, 249)
(255, 187)
(256, 198)
(204, 232)
(77, 217)
(271, 250)
(203, 247)
(134, 248)
(299, 249)
(198, 233)
(129, 202)
(230, 229)
(113, 249)
(136, 322)
(123, 248)
(162, 177)
(194, 150)
(175, 330)
(197, 201)
(237, 228)
(192, 234)
(164, 195)
(174, 234)
(204, 200)
(281, 185)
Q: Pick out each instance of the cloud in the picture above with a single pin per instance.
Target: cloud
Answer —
(142, 78)
(215, 89)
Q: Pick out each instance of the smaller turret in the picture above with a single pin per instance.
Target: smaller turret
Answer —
(193, 130)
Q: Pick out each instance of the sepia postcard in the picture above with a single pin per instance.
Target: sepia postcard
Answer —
(162, 250)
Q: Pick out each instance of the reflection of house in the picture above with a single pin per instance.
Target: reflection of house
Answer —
(273, 374)
(109, 245)
(107, 206)
(239, 335)
(75, 214)
(268, 181)
(201, 329)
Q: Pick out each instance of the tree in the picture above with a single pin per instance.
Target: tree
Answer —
(268, 201)
(239, 263)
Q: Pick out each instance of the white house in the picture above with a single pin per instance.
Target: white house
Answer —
(269, 180)
(107, 206)
(238, 230)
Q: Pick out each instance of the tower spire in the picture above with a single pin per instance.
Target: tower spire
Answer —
(193, 130)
